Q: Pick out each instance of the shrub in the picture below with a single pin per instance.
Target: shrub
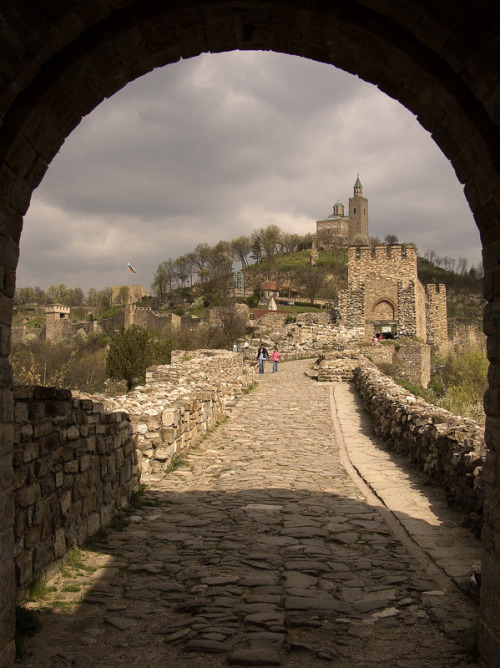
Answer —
(133, 351)
(78, 363)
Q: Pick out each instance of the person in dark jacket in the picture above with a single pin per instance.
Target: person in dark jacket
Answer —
(262, 356)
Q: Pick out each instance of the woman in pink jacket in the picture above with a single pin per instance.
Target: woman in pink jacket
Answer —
(276, 358)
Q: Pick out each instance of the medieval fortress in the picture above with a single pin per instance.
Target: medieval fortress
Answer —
(383, 294)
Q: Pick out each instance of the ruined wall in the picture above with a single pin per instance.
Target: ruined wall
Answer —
(74, 468)
(436, 312)
(305, 337)
(181, 401)
(450, 449)
(214, 316)
(77, 460)
(166, 323)
(410, 360)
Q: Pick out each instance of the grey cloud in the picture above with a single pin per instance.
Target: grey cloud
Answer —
(188, 153)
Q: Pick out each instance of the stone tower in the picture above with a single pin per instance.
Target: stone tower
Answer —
(358, 213)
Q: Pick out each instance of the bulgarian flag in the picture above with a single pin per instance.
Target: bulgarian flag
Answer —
(131, 268)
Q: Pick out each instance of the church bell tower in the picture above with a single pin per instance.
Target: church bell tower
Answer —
(358, 213)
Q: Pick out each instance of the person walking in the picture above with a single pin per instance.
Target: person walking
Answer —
(276, 358)
(262, 356)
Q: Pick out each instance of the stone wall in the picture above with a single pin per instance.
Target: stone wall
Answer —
(383, 288)
(181, 401)
(74, 468)
(450, 449)
(77, 459)
(88, 56)
(436, 312)
(410, 360)
(161, 323)
(306, 336)
(114, 324)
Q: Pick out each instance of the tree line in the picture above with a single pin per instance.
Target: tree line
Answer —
(211, 266)
(95, 300)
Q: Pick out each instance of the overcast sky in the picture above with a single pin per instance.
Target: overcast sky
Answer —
(214, 147)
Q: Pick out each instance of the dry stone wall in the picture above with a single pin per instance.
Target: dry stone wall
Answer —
(77, 459)
(450, 449)
(74, 468)
(305, 337)
(410, 360)
(181, 401)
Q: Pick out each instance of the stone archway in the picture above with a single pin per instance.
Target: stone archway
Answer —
(59, 60)
(384, 309)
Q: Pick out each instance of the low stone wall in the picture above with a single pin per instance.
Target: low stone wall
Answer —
(411, 361)
(450, 449)
(339, 367)
(77, 458)
(74, 468)
(181, 401)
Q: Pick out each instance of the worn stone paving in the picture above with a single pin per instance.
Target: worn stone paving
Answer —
(260, 551)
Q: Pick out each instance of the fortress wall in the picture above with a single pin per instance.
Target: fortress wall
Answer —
(450, 449)
(74, 468)
(114, 324)
(437, 317)
(390, 262)
(181, 401)
(377, 287)
(162, 324)
(58, 329)
(411, 359)
(421, 312)
(77, 460)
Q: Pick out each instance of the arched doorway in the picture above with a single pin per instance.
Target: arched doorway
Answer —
(59, 62)
(384, 315)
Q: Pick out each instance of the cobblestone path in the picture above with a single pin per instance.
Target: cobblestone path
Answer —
(260, 551)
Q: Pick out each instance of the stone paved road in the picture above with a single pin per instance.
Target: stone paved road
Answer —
(261, 551)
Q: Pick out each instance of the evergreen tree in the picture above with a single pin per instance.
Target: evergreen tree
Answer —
(132, 352)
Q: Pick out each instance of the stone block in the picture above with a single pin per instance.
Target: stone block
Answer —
(24, 569)
(72, 467)
(42, 428)
(43, 555)
(60, 543)
(93, 523)
(28, 495)
(6, 440)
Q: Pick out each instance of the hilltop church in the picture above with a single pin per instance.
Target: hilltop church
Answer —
(339, 230)
(384, 293)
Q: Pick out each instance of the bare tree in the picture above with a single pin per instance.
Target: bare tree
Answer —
(201, 252)
(462, 265)
(242, 247)
(271, 241)
(313, 279)
(181, 268)
(163, 278)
